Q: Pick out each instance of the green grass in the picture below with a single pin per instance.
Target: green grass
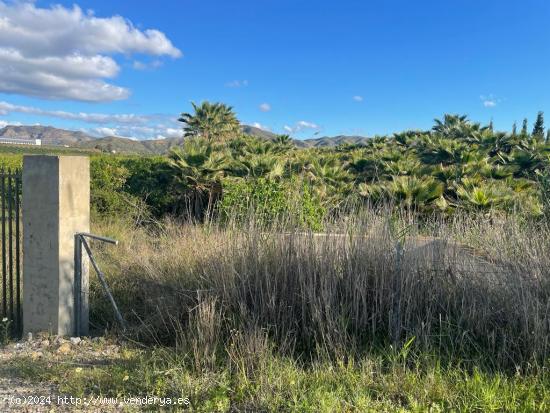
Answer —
(273, 383)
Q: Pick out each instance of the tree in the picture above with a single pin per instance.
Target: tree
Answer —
(548, 136)
(524, 127)
(211, 121)
(283, 140)
(414, 192)
(283, 143)
(514, 129)
(198, 168)
(491, 127)
(538, 129)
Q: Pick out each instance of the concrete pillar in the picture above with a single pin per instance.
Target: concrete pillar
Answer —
(56, 205)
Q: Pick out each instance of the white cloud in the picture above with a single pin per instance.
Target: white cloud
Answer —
(237, 84)
(4, 123)
(173, 133)
(358, 98)
(153, 131)
(102, 131)
(64, 53)
(265, 107)
(489, 101)
(127, 125)
(100, 118)
(301, 126)
(260, 126)
(139, 65)
(309, 125)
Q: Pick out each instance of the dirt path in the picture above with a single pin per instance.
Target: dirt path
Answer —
(16, 392)
(21, 395)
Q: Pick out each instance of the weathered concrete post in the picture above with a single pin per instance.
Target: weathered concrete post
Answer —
(56, 205)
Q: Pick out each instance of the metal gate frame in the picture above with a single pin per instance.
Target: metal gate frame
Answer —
(11, 288)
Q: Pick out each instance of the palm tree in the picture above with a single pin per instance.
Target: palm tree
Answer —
(211, 121)
(484, 196)
(458, 127)
(403, 166)
(415, 192)
(266, 166)
(198, 169)
(284, 140)
(329, 180)
(499, 143)
(365, 166)
(438, 150)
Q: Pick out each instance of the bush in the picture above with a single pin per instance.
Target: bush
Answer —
(130, 186)
(271, 203)
(108, 178)
(150, 179)
(544, 188)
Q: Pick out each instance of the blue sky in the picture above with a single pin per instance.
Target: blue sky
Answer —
(304, 67)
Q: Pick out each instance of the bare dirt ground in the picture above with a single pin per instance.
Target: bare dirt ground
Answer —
(21, 395)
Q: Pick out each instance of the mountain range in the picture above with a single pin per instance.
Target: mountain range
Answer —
(76, 139)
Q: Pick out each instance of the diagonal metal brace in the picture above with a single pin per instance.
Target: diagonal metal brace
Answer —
(80, 241)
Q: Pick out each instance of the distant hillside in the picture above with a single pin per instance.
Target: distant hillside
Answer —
(125, 145)
(307, 143)
(257, 132)
(331, 141)
(76, 139)
(48, 134)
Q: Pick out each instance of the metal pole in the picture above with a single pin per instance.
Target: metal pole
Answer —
(17, 250)
(103, 282)
(4, 266)
(10, 245)
(77, 284)
(99, 238)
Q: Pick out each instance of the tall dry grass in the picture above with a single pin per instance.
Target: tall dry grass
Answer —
(474, 289)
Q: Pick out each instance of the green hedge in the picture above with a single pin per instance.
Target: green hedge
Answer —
(271, 202)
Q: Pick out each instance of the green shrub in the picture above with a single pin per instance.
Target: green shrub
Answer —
(126, 186)
(544, 188)
(151, 180)
(108, 177)
(267, 199)
(271, 202)
(312, 212)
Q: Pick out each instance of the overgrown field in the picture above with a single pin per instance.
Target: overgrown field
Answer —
(408, 274)
(382, 311)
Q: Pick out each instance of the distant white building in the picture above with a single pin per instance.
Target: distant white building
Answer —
(13, 141)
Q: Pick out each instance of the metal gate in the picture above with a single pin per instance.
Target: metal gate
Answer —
(10, 284)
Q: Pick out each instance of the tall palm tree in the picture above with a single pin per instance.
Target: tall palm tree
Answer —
(211, 121)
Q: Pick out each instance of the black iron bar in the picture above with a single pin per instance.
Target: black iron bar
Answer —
(19, 320)
(10, 244)
(4, 267)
